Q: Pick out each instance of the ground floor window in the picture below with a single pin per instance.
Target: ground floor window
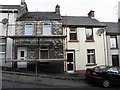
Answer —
(90, 56)
(44, 53)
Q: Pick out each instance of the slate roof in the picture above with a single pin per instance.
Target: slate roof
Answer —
(34, 16)
(81, 21)
(112, 27)
(10, 6)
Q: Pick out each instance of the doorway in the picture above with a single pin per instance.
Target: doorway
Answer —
(22, 55)
(70, 61)
(115, 60)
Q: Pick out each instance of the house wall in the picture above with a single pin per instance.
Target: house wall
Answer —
(55, 44)
(56, 27)
(11, 31)
(55, 47)
(113, 51)
(81, 47)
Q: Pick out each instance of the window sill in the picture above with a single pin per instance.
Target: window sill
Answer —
(89, 41)
(114, 48)
(91, 64)
(73, 41)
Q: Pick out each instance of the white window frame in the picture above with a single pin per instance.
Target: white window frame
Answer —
(113, 42)
(86, 32)
(29, 29)
(49, 28)
(73, 30)
(91, 54)
(45, 49)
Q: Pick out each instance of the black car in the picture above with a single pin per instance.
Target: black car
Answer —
(104, 75)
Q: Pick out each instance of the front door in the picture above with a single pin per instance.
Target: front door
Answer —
(70, 62)
(115, 60)
(22, 56)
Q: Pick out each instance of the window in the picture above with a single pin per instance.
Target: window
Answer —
(91, 56)
(2, 40)
(22, 53)
(2, 48)
(89, 34)
(47, 30)
(113, 70)
(73, 33)
(44, 53)
(113, 42)
(29, 29)
(2, 45)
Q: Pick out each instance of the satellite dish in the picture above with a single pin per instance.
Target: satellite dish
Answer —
(100, 31)
(5, 21)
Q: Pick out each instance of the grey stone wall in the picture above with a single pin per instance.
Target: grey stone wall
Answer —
(55, 45)
(38, 26)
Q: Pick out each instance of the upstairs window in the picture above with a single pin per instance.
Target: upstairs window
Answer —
(29, 29)
(90, 56)
(47, 30)
(73, 33)
(113, 42)
(89, 34)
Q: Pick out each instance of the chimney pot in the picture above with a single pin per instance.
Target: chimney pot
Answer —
(91, 14)
(57, 9)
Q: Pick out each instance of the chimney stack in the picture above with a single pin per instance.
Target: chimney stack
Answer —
(23, 2)
(91, 14)
(57, 9)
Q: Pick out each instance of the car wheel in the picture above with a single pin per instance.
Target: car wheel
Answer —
(106, 83)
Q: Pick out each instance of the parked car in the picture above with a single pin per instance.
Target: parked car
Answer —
(104, 75)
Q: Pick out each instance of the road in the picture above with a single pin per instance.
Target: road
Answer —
(18, 81)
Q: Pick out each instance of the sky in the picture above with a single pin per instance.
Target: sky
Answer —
(105, 10)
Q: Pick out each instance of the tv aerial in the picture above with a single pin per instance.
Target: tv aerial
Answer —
(100, 31)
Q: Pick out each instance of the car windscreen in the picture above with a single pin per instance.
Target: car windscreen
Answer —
(98, 68)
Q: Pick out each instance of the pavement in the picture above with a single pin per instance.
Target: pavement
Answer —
(68, 80)
(47, 75)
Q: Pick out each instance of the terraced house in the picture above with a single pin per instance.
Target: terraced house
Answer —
(39, 40)
(85, 43)
(113, 43)
(8, 15)
(49, 42)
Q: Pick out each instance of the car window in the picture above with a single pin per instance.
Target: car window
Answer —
(98, 68)
(113, 70)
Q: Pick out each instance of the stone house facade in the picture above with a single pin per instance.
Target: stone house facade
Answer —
(39, 38)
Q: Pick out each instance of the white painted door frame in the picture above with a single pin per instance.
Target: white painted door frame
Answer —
(22, 55)
(70, 61)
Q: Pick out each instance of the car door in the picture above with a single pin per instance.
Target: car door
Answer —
(114, 75)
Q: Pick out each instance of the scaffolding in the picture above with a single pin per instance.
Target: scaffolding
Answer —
(56, 41)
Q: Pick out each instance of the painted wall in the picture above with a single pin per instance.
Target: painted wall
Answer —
(82, 46)
(11, 31)
(113, 51)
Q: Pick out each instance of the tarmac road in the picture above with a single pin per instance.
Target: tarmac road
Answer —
(20, 81)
